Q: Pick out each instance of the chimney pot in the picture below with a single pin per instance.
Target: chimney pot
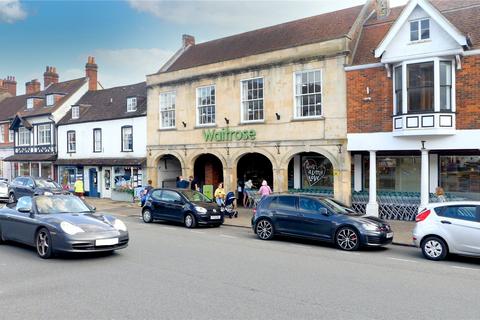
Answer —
(32, 86)
(188, 40)
(91, 70)
(50, 76)
(10, 85)
(382, 9)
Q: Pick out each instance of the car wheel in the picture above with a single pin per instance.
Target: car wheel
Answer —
(147, 216)
(189, 221)
(11, 198)
(264, 229)
(434, 248)
(347, 239)
(43, 243)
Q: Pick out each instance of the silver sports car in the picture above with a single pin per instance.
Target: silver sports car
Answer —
(61, 223)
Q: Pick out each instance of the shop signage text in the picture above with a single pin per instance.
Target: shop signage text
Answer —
(226, 134)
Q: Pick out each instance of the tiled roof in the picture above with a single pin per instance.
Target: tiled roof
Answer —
(31, 157)
(66, 87)
(314, 29)
(109, 104)
(463, 14)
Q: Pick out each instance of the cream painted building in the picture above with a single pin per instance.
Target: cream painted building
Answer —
(267, 104)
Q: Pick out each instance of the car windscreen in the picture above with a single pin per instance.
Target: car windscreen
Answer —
(42, 183)
(60, 204)
(195, 196)
(338, 207)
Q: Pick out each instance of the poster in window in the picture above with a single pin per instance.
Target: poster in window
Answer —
(317, 172)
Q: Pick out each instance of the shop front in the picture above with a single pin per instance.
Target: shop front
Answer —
(35, 165)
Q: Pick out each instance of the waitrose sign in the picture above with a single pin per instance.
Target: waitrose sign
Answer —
(226, 134)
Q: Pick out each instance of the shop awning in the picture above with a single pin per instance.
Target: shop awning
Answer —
(31, 157)
(102, 162)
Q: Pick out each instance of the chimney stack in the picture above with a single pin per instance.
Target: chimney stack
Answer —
(91, 72)
(50, 76)
(32, 86)
(9, 84)
(382, 9)
(188, 40)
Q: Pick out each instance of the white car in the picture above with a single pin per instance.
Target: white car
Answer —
(448, 227)
(3, 190)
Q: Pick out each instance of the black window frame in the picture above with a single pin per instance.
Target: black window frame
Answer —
(101, 140)
(121, 137)
(68, 144)
(274, 204)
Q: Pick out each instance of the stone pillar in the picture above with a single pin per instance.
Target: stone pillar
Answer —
(342, 179)
(372, 206)
(151, 170)
(424, 192)
(297, 172)
(357, 172)
(280, 179)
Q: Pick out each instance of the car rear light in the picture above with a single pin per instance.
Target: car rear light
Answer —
(422, 215)
(254, 211)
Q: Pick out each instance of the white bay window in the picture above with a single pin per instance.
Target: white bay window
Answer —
(23, 136)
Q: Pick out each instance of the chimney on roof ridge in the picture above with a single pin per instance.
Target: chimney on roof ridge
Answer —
(188, 40)
(382, 9)
(50, 76)
(32, 86)
(9, 84)
(91, 69)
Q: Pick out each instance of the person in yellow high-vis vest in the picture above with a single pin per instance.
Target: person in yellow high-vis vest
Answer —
(78, 187)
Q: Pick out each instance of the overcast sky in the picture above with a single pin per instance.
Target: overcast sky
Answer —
(129, 38)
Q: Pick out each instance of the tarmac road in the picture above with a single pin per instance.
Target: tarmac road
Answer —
(169, 272)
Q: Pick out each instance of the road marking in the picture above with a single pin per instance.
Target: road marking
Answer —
(404, 260)
(465, 268)
(199, 232)
(227, 236)
(348, 252)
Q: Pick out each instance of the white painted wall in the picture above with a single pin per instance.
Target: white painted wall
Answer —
(65, 107)
(401, 48)
(111, 139)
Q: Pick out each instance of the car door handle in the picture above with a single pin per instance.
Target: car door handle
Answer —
(445, 222)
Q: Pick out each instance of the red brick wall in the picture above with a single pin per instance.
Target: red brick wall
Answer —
(373, 115)
(5, 136)
(468, 93)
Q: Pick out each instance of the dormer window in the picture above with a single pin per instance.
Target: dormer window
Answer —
(30, 103)
(50, 100)
(131, 104)
(420, 30)
(75, 112)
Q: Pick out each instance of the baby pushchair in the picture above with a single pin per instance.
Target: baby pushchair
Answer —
(228, 206)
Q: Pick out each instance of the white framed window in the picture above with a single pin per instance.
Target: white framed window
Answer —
(127, 138)
(71, 142)
(97, 140)
(23, 136)
(206, 105)
(50, 100)
(2, 133)
(44, 133)
(10, 135)
(424, 86)
(131, 104)
(252, 100)
(75, 112)
(30, 103)
(420, 30)
(167, 110)
(308, 94)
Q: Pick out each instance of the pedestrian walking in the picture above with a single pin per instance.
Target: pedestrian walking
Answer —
(219, 194)
(440, 193)
(247, 188)
(78, 187)
(145, 192)
(194, 185)
(182, 183)
(264, 189)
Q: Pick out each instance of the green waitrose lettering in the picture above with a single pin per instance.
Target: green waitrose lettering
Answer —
(226, 134)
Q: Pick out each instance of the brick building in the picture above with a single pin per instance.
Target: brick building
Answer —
(413, 97)
(8, 92)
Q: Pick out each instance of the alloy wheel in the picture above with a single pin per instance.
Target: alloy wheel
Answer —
(189, 221)
(11, 198)
(264, 230)
(43, 244)
(347, 239)
(147, 216)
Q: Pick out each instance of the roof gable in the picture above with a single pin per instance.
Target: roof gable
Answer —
(432, 12)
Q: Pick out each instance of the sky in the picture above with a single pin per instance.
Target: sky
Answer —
(128, 38)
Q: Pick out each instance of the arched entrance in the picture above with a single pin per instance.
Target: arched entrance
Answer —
(169, 168)
(256, 167)
(310, 170)
(208, 170)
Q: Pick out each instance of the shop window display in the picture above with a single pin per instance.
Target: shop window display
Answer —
(460, 176)
(395, 173)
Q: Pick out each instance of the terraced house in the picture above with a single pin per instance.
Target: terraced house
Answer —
(413, 105)
(8, 109)
(266, 104)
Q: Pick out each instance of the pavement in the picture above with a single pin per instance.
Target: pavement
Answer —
(402, 229)
(170, 272)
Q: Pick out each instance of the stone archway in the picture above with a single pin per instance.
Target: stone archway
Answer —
(208, 170)
(168, 168)
(311, 170)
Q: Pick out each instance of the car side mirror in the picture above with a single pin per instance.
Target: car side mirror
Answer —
(324, 211)
(24, 209)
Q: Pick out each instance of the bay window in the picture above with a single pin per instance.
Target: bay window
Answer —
(424, 87)
(23, 136)
(44, 134)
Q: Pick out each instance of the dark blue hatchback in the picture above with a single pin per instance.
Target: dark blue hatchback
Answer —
(186, 206)
(318, 218)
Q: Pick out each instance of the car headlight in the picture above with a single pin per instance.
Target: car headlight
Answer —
(47, 193)
(69, 228)
(370, 227)
(201, 210)
(119, 225)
